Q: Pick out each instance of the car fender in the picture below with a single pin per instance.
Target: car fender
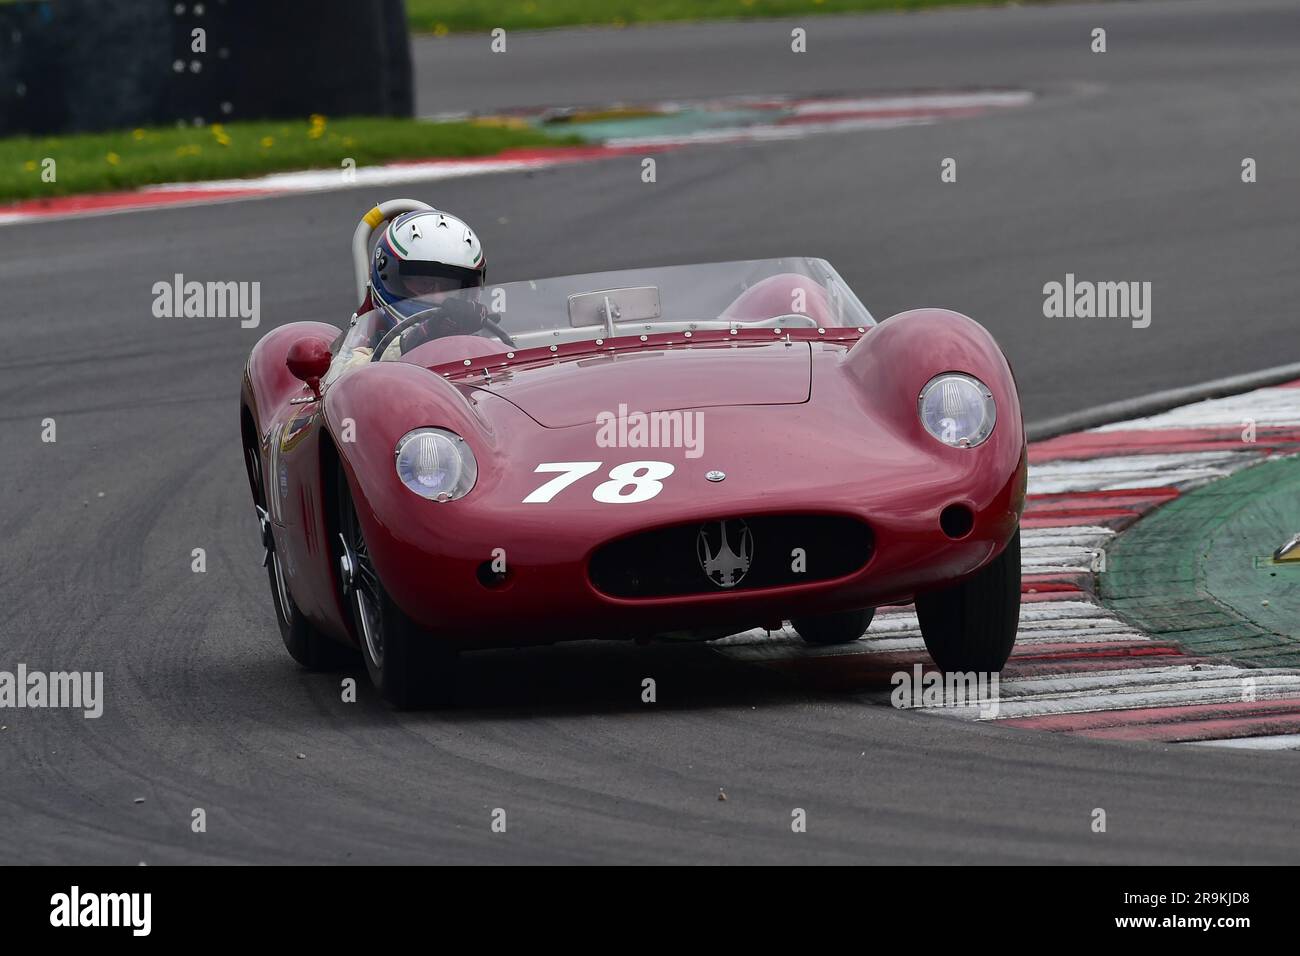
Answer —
(367, 411)
(892, 363)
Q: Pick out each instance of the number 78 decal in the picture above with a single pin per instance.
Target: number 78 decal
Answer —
(642, 479)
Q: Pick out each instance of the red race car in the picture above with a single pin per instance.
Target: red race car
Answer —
(683, 452)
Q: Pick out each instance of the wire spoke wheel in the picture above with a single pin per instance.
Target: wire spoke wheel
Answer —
(409, 666)
(279, 586)
(305, 644)
(365, 593)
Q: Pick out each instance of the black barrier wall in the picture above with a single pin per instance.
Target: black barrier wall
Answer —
(82, 65)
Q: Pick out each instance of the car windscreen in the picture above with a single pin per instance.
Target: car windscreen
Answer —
(765, 292)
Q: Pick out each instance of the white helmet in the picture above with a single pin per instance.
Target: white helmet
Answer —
(423, 254)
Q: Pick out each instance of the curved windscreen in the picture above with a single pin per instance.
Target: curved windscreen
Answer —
(762, 293)
(792, 291)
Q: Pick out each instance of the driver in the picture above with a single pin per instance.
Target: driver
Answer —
(422, 263)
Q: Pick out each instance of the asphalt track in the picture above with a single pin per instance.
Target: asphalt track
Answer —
(1126, 167)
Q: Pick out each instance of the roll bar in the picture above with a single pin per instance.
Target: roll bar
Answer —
(368, 224)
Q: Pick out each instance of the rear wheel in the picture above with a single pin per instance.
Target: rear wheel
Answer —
(408, 666)
(842, 628)
(306, 645)
(971, 626)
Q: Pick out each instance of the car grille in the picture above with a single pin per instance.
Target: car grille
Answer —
(672, 561)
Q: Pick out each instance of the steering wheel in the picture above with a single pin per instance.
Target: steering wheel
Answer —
(489, 323)
(493, 326)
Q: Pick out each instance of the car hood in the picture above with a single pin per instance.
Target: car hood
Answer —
(573, 391)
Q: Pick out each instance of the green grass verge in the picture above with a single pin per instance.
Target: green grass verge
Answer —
(443, 16)
(96, 162)
(1197, 570)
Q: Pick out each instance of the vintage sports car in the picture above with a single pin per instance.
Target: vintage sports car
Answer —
(682, 452)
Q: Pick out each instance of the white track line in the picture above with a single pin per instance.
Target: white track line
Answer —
(768, 133)
(315, 180)
(1274, 742)
(1264, 406)
(1136, 471)
(1225, 689)
(935, 101)
(1058, 550)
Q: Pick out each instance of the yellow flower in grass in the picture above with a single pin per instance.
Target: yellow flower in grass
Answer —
(440, 30)
(349, 141)
(137, 134)
(30, 165)
(501, 122)
(317, 129)
(112, 159)
(192, 149)
(268, 142)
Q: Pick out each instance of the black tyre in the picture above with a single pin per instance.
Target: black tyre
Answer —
(842, 628)
(409, 667)
(971, 626)
(306, 645)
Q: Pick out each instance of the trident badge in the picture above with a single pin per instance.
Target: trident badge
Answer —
(725, 565)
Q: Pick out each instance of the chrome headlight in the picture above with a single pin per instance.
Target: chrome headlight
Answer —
(436, 464)
(957, 409)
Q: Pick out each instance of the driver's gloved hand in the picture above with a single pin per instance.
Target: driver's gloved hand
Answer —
(460, 317)
(454, 317)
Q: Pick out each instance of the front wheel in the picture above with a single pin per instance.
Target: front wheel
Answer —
(408, 666)
(971, 626)
(305, 644)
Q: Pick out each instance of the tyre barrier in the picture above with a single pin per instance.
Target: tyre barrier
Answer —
(86, 65)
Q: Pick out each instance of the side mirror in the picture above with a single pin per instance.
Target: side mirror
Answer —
(308, 360)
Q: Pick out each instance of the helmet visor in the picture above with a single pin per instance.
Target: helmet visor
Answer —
(414, 279)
